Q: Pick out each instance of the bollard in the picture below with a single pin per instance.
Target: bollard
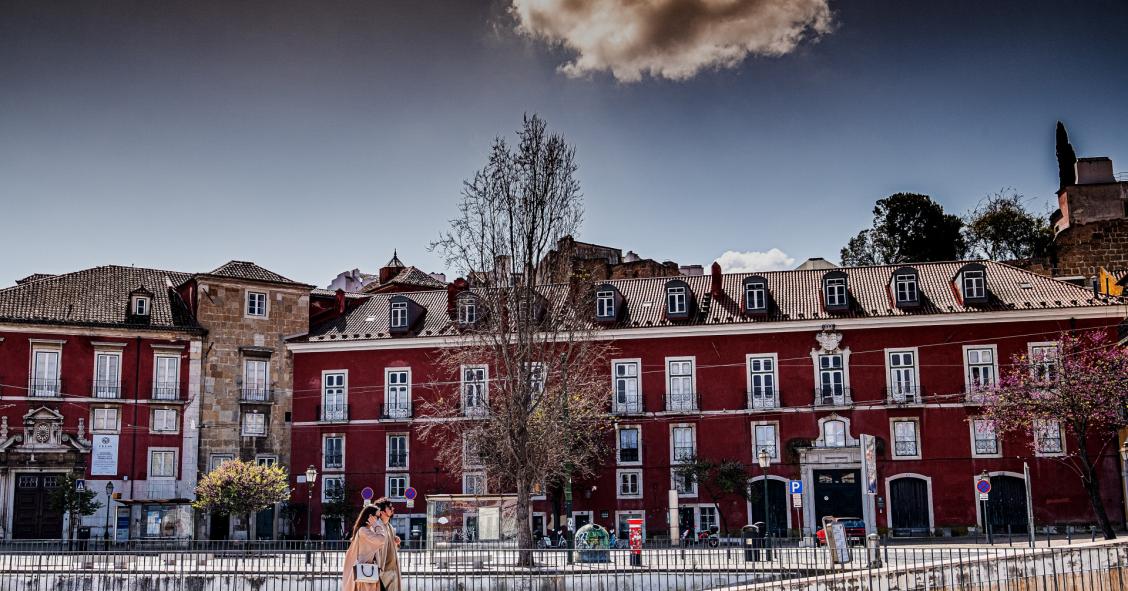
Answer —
(873, 551)
(1008, 534)
(1093, 532)
(885, 547)
(1069, 534)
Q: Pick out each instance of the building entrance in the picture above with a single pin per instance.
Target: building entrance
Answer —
(33, 518)
(837, 493)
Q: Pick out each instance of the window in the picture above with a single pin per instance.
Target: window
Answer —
(107, 375)
(166, 377)
(755, 296)
(905, 287)
(836, 292)
(627, 397)
(906, 439)
(985, 441)
(268, 461)
(397, 397)
(1044, 361)
(140, 306)
(332, 488)
(536, 378)
(902, 376)
(254, 424)
(680, 383)
(164, 420)
(471, 456)
(834, 433)
(832, 387)
(396, 486)
(105, 419)
(256, 303)
(675, 300)
(474, 394)
(467, 310)
(605, 304)
(684, 443)
(333, 453)
(333, 391)
(630, 445)
(630, 484)
(762, 381)
(474, 483)
(255, 384)
(45, 373)
(162, 463)
(766, 439)
(399, 314)
(216, 460)
(1047, 438)
(980, 367)
(974, 285)
(708, 517)
(397, 451)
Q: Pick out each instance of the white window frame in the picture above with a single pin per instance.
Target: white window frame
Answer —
(825, 433)
(775, 443)
(1038, 451)
(757, 290)
(619, 474)
(973, 280)
(406, 451)
(94, 385)
(94, 412)
(325, 488)
(398, 318)
(535, 369)
(244, 432)
(691, 403)
(158, 383)
(154, 423)
(998, 441)
(749, 360)
(57, 390)
(893, 421)
(483, 395)
(466, 455)
(467, 308)
(267, 460)
(388, 371)
(844, 397)
(325, 467)
(909, 281)
(142, 306)
(250, 298)
(619, 442)
(969, 386)
(215, 460)
(264, 387)
(677, 300)
(162, 450)
(626, 406)
(1037, 365)
(675, 463)
(605, 304)
(466, 476)
(405, 477)
(342, 412)
(835, 294)
(892, 384)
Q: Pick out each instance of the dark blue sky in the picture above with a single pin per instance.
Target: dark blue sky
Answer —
(316, 137)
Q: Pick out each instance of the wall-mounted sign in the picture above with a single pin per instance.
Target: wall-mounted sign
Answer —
(104, 455)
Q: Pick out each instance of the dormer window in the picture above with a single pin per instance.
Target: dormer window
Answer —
(141, 305)
(972, 283)
(399, 315)
(467, 310)
(906, 287)
(835, 292)
(675, 300)
(605, 304)
(755, 295)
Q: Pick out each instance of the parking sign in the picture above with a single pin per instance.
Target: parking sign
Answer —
(795, 487)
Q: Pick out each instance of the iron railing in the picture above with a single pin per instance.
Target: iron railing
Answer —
(631, 405)
(256, 394)
(394, 412)
(903, 395)
(764, 398)
(163, 390)
(397, 459)
(682, 402)
(333, 413)
(833, 396)
(107, 389)
(44, 388)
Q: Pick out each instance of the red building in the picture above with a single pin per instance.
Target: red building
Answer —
(798, 363)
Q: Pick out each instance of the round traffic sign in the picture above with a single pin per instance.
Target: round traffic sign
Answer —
(366, 493)
(409, 494)
(983, 486)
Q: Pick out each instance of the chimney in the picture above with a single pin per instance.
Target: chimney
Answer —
(456, 287)
(1094, 171)
(340, 301)
(692, 270)
(718, 287)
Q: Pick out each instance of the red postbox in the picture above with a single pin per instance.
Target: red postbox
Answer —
(635, 538)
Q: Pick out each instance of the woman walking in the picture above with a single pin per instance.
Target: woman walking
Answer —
(373, 542)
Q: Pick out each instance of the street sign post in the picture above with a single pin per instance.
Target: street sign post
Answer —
(80, 485)
(367, 493)
(795, 487)
(983, 486)
(797, 501)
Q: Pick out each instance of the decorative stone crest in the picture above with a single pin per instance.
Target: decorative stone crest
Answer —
(828, 339)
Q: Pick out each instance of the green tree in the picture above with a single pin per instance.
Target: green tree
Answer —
(340, 505)
(241, 488)
(719, 479)
(1001, 228)
(78, 503)
(907, 228)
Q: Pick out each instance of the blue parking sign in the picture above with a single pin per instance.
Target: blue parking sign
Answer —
(795, 486)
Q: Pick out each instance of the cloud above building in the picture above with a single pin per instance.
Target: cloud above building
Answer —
(733, 261)
(673, 39)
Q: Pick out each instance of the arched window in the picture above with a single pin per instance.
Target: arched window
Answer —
(834, 433)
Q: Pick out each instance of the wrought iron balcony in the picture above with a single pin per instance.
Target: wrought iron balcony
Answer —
(333, 413)
(166, 390)
(395, 411)
(833, 396)
(256, 394)
(334, 462)
(629, 455)
(764, 398)
(475, 410)
(44, 388)
(906, 448)
(397, 459)
(684, 453)
(682, 402)
(904, 395)
(979, 394)
(107, 389)
(631, 405)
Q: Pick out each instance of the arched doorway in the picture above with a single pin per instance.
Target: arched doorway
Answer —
(1006, 505)
(777, 504)
(910, 506)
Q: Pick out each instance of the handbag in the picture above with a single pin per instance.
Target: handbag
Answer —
(367, 572)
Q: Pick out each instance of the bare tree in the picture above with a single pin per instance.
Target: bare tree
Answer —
(541, 415)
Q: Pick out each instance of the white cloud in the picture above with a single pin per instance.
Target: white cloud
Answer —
(749, 262)
(672, 39)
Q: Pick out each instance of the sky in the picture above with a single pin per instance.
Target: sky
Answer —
(316, 137)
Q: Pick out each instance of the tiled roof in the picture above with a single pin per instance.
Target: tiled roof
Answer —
(34, 277)
(796, 295)
(412, 276)
(330, 293)
(251, 271)
(98, 297)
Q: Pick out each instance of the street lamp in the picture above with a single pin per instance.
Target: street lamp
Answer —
(109, 505)
(311, 479)
(765, 460)
(1124, 476)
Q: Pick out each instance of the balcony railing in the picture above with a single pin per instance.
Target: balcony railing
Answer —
(903, 395)
(44, 388)
(685, 453)
(107, 389)
(627, 406)
(683, 402)
(334, 462)
(906, 448)
(763, 399)
(166, 390)
(629, 454)
(260, 394)
(475, 410)
(832, 396)
(397, 459)
(395, 411)
(333, 413)
(979, 394)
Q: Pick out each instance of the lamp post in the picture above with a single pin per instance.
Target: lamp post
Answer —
(109, 506)
(311, 479)
(1124, 477)
(765, 460)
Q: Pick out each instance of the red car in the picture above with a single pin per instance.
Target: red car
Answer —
(855, 530)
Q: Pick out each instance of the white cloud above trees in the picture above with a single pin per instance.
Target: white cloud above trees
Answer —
(673, 39)
(733, 261)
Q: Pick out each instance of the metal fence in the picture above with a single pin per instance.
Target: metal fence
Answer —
(295, 566)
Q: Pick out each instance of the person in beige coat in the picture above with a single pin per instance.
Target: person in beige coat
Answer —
(373, 541)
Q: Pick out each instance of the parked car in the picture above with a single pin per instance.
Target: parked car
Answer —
(855, 531)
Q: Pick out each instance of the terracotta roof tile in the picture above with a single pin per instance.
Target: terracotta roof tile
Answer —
(251, 271)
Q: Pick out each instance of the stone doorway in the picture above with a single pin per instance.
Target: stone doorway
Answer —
(33, 518)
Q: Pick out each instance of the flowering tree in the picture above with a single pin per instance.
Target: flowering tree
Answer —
(1079, 387)
(241, 488)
